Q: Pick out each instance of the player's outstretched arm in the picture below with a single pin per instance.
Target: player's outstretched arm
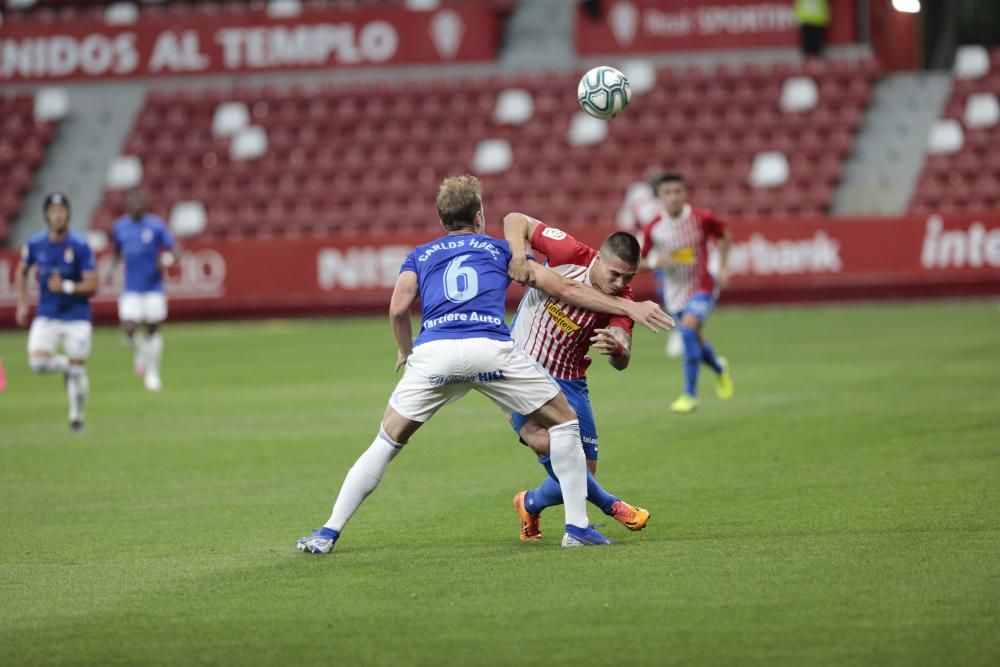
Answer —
(517, 230)
(403, 295)
(647, 313)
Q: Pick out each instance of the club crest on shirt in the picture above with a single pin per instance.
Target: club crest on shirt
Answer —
(68, 255)
(553, 233)
(147, 236)
(561, 318)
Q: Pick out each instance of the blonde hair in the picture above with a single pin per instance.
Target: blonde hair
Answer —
(459, 199)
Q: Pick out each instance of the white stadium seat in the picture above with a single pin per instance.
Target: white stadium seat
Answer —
(946, 136)
(20, 4)
(121, 13)
(492, 156)
(769, 170)
(515, 106)
(188, 218)
(97, 239)
(422, 5)
(284, 8)
(971, 62)
(982, 110)
(124, 172)
(248, 143)
(799, 93)
(640, 74)
(51, 104)
(585, 130)
(230, 118)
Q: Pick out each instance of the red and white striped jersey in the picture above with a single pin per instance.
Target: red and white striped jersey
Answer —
(554, 333)
(684, 240)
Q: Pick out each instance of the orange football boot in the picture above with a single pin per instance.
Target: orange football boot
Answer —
(529, 522)
(633, 518)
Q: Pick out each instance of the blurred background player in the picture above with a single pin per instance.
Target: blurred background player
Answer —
(67, 279)
(639, 208)
(143, 241)
(461, 280)
(677, 242)
(558, 337)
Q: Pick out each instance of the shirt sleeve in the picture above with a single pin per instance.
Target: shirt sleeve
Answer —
(621, 321)
(560, 247)
(28, 255)
(409, 264)
(85, 256)
(166, 238)
(714, 227)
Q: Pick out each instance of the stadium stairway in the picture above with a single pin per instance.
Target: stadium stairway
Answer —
(89, 138)
(880, 176)
(540, 32)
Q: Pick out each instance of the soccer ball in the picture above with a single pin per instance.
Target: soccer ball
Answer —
(604, 92)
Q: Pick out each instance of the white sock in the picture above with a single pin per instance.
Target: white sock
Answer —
(139, 357)
(570, 466)
(363, 477)
(56, 363)
(154, 350)
(77, 387)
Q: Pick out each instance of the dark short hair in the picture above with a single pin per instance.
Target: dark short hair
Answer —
(622, 245)
(659, 178)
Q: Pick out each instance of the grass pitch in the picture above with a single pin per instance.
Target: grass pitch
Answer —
(843, 508)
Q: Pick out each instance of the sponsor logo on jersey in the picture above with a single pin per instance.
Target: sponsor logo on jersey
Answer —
(684, 255)
(553, 233)
(561, 318)
(68, 255)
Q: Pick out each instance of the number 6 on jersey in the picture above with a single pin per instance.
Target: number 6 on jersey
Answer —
(455, 275)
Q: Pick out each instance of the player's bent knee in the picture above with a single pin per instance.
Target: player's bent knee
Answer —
(40, 362)
(536, 437)
(556, 411)
(398, 427)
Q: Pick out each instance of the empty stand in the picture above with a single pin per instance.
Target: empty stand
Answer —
(22, 147)
(350, 158)
(968, 179)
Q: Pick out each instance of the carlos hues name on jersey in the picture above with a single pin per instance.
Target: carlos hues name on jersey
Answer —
(459, 243)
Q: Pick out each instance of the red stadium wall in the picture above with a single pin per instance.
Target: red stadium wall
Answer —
(251, 42)
(770, 262)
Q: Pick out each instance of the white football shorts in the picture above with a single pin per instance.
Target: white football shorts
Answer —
(47, 335)
(144, 307)
(442, 371)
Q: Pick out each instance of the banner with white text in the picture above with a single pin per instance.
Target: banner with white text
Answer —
(769, 262)
(654, 26)
(245, 43)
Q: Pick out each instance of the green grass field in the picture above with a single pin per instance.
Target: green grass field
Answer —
(843, 508)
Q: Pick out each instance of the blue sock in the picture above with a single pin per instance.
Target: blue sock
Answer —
(708, 356)
(549, 492)
(692, 359)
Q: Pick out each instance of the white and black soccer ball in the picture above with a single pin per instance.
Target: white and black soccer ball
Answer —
(604, 92)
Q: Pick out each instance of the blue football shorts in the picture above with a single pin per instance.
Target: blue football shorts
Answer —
(579, 398)
(700, 305)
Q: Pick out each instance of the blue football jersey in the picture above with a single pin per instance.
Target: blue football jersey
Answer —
(68, 259)
(463, 282)
(139, 244)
